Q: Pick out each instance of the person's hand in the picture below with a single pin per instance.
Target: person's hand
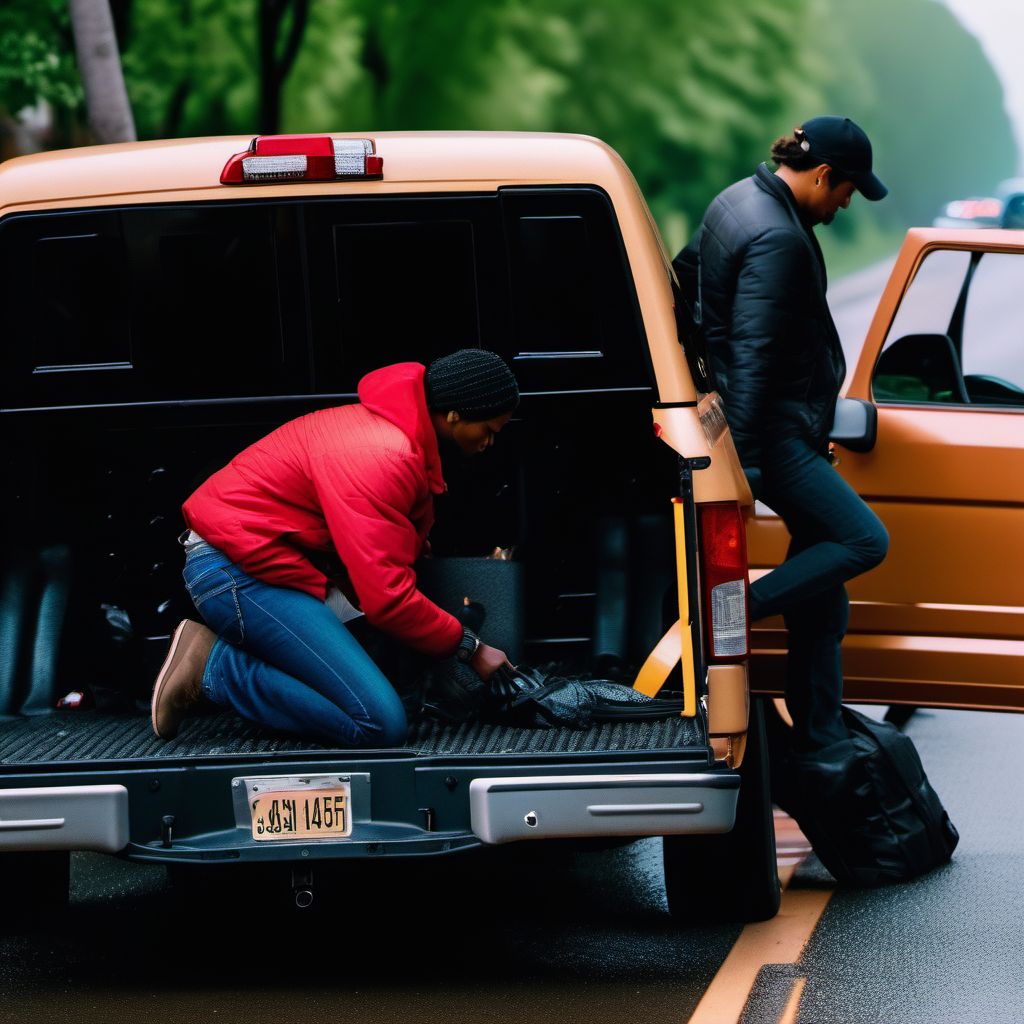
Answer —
(487, 661)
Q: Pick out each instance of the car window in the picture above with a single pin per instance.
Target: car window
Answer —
(955, 339)
(396, 280)
(260, 299)
(146, 304)
(928, 305)
(538, 275)
(993, 330)
(575, 313)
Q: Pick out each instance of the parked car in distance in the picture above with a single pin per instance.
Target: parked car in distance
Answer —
(1011, 195)
(975, 212)
(1004, 209)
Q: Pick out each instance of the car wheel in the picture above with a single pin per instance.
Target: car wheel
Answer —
(732, 877)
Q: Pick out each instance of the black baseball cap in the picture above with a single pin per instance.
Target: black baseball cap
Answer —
(842, 144)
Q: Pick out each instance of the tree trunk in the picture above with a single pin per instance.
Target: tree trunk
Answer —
(274, 68)
(99, 63)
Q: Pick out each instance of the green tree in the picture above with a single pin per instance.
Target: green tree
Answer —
(689, 93)
(37, 64)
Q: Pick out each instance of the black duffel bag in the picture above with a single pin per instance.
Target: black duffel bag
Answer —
(866, 806)
(533, 699)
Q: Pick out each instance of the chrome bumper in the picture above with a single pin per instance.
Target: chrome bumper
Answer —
(64, 818)
(561, 806)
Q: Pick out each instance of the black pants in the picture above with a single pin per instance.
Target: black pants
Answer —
(835, 537)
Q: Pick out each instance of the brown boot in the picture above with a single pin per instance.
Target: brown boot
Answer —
(178, 686)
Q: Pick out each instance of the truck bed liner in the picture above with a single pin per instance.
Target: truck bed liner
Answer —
(97, 736)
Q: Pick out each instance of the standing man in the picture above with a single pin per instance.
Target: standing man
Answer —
(777, 363)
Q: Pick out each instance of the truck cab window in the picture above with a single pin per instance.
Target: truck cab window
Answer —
(577, 324)
(147, 304)
(78, 326)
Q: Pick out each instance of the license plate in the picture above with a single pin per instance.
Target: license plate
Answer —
(318, 810)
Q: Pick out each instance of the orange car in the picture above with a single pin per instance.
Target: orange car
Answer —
(941, 621)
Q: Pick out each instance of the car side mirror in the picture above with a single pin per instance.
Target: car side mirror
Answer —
(855, 425)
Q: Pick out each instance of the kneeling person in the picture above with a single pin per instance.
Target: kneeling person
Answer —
(353, 484)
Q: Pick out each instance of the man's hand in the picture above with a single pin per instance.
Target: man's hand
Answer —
(487, 661)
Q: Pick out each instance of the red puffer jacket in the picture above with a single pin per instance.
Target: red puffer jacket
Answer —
(358, 480)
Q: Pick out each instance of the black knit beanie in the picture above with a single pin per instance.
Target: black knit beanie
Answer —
(477, 384)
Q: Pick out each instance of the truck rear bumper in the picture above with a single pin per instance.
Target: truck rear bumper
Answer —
(400, 806)
(503, 810)
(64, 818)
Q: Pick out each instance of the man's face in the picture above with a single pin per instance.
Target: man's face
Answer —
(832, 200)
(475, 437)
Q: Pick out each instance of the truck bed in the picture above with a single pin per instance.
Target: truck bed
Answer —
(78, 736)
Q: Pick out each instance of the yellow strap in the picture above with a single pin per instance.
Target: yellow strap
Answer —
(659, 663)
(677, 644)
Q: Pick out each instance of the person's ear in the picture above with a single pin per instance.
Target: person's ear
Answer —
(822, 176)
(453, 416)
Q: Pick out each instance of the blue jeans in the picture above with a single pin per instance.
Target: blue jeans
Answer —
(835, 537)
(285, 661)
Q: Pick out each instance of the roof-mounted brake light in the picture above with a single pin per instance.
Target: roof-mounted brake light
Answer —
(271, 158)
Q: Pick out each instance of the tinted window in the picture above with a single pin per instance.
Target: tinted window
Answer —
(956, 336)
(405, 291)
(553, 287)
(403, 279)
(209, 301)
(538, 275)
(574, 307)
(146, 304)
(206, 312)
(78, 300)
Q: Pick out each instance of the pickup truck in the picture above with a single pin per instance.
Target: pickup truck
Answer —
(168, 303)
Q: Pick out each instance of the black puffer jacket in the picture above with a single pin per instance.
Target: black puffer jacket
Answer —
(775, 354)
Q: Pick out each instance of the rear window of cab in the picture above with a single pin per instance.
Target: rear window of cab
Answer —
(235, 300)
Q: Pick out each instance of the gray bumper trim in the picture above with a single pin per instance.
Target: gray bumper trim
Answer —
(64, 818)
(560, 806)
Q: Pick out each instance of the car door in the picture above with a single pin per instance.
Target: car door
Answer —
(941, 621)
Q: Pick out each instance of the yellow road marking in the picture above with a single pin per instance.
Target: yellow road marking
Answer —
(778, 941)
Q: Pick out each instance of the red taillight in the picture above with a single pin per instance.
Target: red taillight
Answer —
(724, 580)
(271, 158)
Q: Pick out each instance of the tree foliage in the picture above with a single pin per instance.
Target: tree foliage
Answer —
(690, 92)
(37, 58)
